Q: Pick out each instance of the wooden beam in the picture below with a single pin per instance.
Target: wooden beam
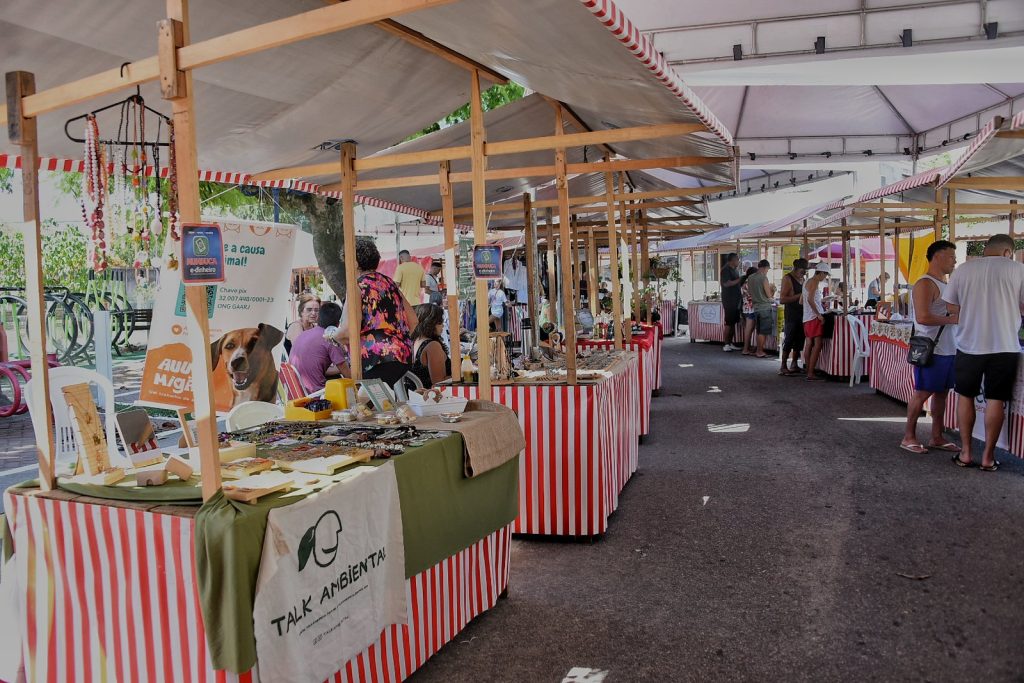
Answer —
(197, 320)
(988, 183)
(552, 275)
(570, 115)
(577, 204)
(593, 270)
(172, 79)
(951, 211)
(1010, 134)
(293, 29)
(665, 130)
(21, 130)
(624, 220)
(353, 295)
(479, 165)
(879, 204)
(451, 271)
(421, 41)
(568, 310)
(937, 218)
(645, 259)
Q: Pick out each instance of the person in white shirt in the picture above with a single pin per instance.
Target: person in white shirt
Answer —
(990, 293)
(814, 319)
(496, 301)
(933, 319)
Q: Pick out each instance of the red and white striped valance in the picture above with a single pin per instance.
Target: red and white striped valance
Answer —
(629, 35)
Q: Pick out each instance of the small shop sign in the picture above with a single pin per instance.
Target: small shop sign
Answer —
(487, 261)
(202, 254)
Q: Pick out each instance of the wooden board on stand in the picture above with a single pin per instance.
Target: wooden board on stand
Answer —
(93, 456)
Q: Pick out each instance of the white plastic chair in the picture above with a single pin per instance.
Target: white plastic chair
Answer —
(251, 414)
(861, 348)
(64, 437)
(399, 390)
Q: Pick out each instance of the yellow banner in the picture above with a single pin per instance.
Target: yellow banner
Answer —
(914, 267)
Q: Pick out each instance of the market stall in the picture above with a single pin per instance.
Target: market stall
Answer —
(581, 447)
(837, 353)
(646, 343)
(707, 321)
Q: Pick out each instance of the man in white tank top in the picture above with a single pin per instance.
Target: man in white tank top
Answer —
(814, 319)
(933, 318)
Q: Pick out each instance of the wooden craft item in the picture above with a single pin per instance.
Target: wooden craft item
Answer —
(235, 450)
(245, 467)
(107, 477)
(93, 456)
(146, 458)
(178, 467)
(151, 478)
(326, 464)
(251, 489)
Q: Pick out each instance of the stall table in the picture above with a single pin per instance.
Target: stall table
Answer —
(836, 358)
(893, 376)
(111, 590)
(581, 449)
(706, 321)
(668, 318)
(647, 346)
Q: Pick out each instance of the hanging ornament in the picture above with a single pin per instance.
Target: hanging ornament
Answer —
(95, 181)
(156, 226)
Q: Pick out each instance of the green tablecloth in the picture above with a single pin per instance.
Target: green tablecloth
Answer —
(443, 513)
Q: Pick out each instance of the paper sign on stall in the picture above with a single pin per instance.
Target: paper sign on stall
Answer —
(332, 577)
(247, 311)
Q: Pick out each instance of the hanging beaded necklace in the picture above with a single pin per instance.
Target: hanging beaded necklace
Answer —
(95, 181)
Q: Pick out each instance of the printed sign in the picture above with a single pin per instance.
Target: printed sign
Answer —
(710, 314)
(247, 314)
(487, 261)
(332, 577)
(202, 254)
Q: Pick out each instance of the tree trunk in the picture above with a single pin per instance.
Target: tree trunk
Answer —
(328, 243)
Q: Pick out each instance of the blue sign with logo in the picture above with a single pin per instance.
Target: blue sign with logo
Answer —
(487, 261)
(202, 254)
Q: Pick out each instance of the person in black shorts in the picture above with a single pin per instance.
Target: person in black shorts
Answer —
(793, 327)
(732, 301)
(990, 293)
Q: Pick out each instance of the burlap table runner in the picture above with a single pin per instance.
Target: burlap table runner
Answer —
(491, 435)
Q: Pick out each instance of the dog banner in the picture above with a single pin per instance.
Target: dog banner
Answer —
(332, 577)
(247, 314)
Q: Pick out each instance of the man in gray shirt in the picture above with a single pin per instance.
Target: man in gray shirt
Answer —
(762, 293)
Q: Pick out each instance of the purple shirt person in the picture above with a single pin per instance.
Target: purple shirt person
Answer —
(315, 358)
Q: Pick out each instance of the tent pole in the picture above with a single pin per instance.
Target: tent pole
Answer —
(937, 221)
(552, 275)
(881, 260)
(198, 322)
(624, 226)
(562, 184)
(574, 262)
(353, 295)
(1013, 218)
(21, 131)
(693, 277)
(531, 262)
(479, 167)
(846, 267)
(635, 254)
(451, 272)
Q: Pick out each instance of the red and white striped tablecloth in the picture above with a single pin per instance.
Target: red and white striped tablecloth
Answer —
(581, 449)
(647, 347)
(668, 316)
(836, 356)
(110, 594)
(714, 331)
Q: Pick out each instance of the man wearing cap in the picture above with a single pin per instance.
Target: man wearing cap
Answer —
(814, 319)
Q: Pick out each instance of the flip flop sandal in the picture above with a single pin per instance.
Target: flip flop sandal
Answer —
(949, 447)
(990, 468)
(914, 448)
(813, 379)
(763, 355)
(961, 463)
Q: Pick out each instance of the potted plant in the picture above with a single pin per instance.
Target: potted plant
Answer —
(658, 268)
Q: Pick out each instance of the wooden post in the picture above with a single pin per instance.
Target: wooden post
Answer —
(574, 235)
(645, 260)
(693, 277)
(479, 167)
(634, 253)
(353, 296)
(896, 268)
(552, 275)
(951, 212)
(531, 263)
(613, 258)
(593, 270)
(198, 321)
(450, 249)
(937, 220)
(846, 267)
(562, 185)
(881, 260)
(22, 132)
(624, 225)
(1013, 218)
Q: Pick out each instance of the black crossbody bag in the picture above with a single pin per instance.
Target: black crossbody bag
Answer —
(922, 349)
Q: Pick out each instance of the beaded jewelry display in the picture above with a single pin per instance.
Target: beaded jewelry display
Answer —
(95, 181)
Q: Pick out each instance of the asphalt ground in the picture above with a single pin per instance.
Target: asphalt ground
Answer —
(792, 541)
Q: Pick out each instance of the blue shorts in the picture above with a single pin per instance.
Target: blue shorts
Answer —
(936, 378)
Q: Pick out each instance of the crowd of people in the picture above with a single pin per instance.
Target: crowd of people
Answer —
(398, 334)
(969, 317)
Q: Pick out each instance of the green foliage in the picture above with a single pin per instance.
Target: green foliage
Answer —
(492, 98)
(6, 176)
(64, 257)
(978, 248)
